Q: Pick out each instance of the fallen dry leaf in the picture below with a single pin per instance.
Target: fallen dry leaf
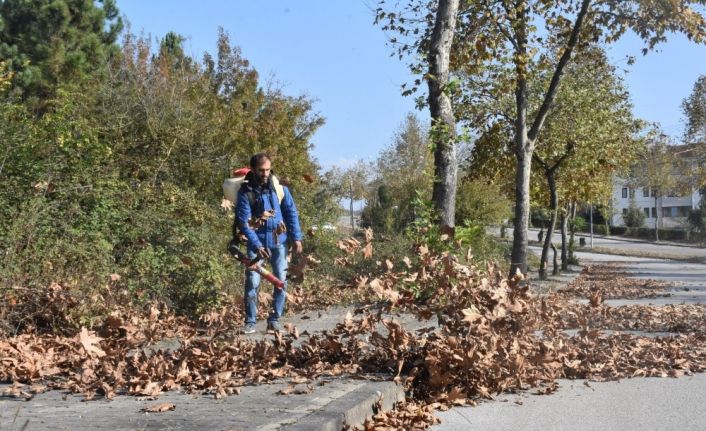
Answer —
(159, 408)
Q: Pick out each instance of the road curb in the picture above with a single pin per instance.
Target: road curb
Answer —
(352, 409)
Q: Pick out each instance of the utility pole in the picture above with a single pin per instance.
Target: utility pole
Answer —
(591, 223)
(352, 219)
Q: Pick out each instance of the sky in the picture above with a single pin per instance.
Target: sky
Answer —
(331, 51)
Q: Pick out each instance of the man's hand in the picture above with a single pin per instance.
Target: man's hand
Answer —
(297, 247)
(263, 253)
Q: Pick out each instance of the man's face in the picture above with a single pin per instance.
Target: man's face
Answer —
(262, 172)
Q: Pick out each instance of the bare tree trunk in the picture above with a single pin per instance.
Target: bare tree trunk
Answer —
(525, 138)
(550, 174)
(555, 270)
(553, 204)
(564, 245)
(572, 224)
(522, 210)
(524, 148)
(443, 123)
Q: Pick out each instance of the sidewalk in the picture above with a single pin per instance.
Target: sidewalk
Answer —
(331, 403)
(324, 404)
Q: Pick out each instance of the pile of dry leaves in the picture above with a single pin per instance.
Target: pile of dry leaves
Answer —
(491, 335)
(608, 281)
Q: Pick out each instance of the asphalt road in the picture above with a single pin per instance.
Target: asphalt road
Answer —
(633, 404)
(629, 245)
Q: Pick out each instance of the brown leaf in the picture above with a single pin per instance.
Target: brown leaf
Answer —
(286, 391)
(159, 408)
(368, 251)
(90, 341)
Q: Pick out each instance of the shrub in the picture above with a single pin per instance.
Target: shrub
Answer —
(479, 203)
(634, 217)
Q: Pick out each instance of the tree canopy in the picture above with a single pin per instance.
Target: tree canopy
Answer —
(694, 109)
(511, 40)
(48, 43)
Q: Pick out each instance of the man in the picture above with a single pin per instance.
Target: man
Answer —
(266, 214)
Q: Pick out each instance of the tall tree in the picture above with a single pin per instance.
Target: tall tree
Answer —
(406, 168)
(589, 136)
(589, 125)
(499, 36)
(52, 42)
(663, 171)
(694, 109)
(443, 122)
(436, 29)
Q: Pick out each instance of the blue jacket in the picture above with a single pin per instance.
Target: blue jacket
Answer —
(264, 199)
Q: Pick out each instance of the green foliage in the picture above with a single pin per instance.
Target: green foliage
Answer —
(592, 110)
(540, 217)
(481, 203)
(425, 230)
(122, 175)
(52, 42)
(634, 217)
(694, 109)
(322, 206)
(579, 224)
(404, 170)
(380, 213)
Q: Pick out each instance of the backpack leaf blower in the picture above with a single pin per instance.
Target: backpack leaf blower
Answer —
(253, 265)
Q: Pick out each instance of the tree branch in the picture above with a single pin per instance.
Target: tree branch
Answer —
(556, 78)
(502, 29)
(567, 152)
(541, 162)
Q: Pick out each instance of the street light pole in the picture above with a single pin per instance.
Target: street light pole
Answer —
(352, 219)
(591, 223)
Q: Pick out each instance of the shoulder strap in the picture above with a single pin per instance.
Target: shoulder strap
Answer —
(279, 188)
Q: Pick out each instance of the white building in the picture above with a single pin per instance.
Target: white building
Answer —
(673, 209)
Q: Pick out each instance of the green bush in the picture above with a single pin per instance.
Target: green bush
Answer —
(479, 203)
(634, 216)
(122, 174)
(426, 230)
(540, 217)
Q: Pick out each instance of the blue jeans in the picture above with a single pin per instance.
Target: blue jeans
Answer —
(278, 260)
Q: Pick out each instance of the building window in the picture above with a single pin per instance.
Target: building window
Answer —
(654, 212)
(632, 193)
(683, 211)
(647, 212)
(625, 192)
(666, 211)
(646, 192)
(625, 212)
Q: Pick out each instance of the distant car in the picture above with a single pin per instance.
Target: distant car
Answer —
(328, 227)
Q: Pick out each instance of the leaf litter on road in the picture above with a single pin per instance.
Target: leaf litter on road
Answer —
(493, 335)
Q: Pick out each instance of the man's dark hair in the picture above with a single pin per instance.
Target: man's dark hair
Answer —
(257, 159)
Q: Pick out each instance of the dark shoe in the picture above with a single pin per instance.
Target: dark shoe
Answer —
(274, 326)
(249, 328)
